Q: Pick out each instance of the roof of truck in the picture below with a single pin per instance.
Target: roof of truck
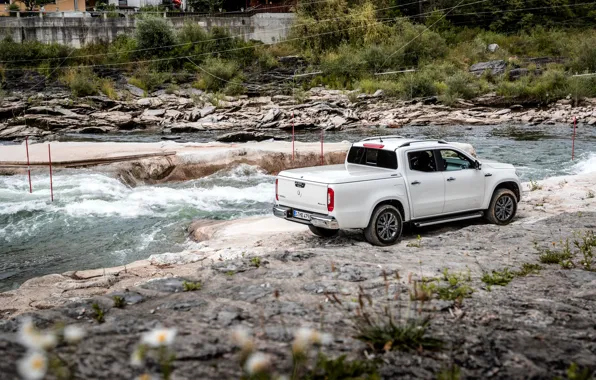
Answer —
(394, 142)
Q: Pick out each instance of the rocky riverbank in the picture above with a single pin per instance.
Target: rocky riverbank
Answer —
(273, 277)
(46, 115)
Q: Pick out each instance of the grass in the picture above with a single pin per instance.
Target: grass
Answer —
(388, 335)
(99, 313)
(585, 245)
(528, 269)
(190, 286)
(106, 86)
(417, 243)
(451, 287)
(534, 185)
(119, 302)
(255, 261)
(451, 373)
(340, 368)
(501, 278)
(548, 256)
(81, 82)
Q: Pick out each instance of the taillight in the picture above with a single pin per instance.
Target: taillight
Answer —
(330, 199)
(276, 189)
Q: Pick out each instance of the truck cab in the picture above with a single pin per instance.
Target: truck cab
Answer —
(387, 181)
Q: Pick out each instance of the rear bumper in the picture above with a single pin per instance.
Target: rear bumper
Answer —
(316, 220)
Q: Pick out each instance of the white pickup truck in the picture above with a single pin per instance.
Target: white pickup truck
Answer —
(389, 180)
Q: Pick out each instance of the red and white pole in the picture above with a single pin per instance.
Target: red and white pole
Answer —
(293, 137)
(573, 141)
(28, 166)
(51, 181)
(322, 155)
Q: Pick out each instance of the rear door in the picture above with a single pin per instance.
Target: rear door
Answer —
(464, 184)
(302, 195)
(426, 184)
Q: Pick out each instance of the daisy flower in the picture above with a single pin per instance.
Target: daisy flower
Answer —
(159, 337)
(33, 366)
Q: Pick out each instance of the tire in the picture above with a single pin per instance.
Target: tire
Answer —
(322, 232)
(503, 207)
(377, 231)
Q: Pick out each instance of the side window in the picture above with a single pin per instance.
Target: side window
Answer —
(450, 160)
(422, 161)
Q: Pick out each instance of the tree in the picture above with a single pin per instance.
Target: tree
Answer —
(206, 6)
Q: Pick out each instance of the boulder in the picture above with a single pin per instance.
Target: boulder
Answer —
(243, 136)
(21, 131)
(155, 113)
(12, 110)
(206, 111)
(54, 111)
(492, 48)
(150, 102)
(135, 90)
(120, 119)
(272, 115)
(496, 67)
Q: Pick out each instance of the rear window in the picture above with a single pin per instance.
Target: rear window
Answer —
(372, 157)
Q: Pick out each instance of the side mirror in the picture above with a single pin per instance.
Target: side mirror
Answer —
(477, 165)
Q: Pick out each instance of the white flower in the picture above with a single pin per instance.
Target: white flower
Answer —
(257, 363)
(136, 359)
(305, 337)
(33, 366)
(34, 339)
(73, 334)
(241, 337)
(159, 337)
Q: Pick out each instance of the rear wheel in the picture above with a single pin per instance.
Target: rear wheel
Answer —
(322, 232)
(385, 226)
(503, 207)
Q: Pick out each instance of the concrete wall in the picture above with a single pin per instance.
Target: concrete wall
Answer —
(76, 32)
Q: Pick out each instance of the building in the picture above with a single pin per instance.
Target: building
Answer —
(51, 6)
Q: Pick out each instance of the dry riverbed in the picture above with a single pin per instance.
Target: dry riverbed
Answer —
(273, 277)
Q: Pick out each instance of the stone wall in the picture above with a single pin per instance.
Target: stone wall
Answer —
(78, 31)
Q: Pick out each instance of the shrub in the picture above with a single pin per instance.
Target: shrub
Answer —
(106, 86)
(148, 80)
(154, 32)
(464, 84)
(82, 82)
(550, 87)
(216, 73)
(192, 286)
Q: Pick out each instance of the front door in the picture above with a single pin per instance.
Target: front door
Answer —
(464, 184)
(426, 184)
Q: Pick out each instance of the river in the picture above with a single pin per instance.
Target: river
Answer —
(96, 221)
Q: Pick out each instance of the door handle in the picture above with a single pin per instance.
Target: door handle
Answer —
(488, 175)
(416, 183)
(450, 179)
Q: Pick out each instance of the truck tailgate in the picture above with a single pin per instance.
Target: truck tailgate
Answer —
(303, 195)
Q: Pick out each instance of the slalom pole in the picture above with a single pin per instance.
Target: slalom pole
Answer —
(573, 140)
(51, 182)
(322, 156)
(28, 166)
(293, 136)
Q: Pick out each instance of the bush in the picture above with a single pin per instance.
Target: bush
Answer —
(82, 82)
(390, 88)
(106, 86)
(216, 73)
(154, 32)
(149, 80)
(550, 87)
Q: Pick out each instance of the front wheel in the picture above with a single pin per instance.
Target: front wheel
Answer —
(503, 207)
(385, 226)
(322, 232)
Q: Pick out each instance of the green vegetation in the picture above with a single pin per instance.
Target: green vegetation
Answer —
(255, 261)
(451, 287)
(351, 42)
(451, 373)
(340, 368)
(501, 278)
(578, 254)
(98, 313)
(192, 286)
(528, 269)
(119, 302)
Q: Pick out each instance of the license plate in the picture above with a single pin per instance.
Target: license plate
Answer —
(301, 215)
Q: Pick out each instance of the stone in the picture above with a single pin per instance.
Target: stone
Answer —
(53, 111)
(492, 48)
(206, 111)
(155, 113)
(272, 115)
(495, 67)
(244, 137)
(122, 120)
(378, 93)
(135, 90)
(12, 110)
(166, 285)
